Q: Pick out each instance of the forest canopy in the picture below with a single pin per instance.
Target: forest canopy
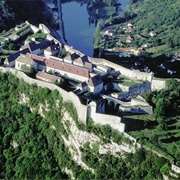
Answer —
(159, 17)
(13, 12)
(33, 148)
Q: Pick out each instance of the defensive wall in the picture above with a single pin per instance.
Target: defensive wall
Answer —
(83, 111)
(135, 106)
(67, 96)
(135, 89)
(156, 83)
(113, 121)
(134, 74)
(70, 96)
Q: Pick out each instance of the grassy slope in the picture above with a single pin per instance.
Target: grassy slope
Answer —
(161, 17)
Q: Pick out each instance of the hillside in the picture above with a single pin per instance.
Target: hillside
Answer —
(158, 23)
(41, 134)
(147, 33)
(15, 12)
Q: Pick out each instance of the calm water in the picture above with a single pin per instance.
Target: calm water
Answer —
(78, 31)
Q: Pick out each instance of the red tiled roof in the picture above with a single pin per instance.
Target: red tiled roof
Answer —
(36, 58)
(67, 67)
(59, 65)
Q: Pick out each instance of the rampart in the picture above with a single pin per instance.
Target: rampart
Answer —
(70, 96)
(98, 118)
(82, 110)
(134, 74)
(67, 96)
(44, 29)
(158, 84)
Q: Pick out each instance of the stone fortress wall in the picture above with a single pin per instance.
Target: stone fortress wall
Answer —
(67, 96)
(133, 74)
(156, 83)
(82, 110)
(70, 96)
(103, 119)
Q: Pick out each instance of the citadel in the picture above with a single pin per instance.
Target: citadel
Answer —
(93, 85)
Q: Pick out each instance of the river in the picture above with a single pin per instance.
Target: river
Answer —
(78, 31)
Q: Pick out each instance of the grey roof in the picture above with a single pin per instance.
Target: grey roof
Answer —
(46, 76)
(52, 48)
(94, 81)
(14, 56)
(32, 46)
(25, 60)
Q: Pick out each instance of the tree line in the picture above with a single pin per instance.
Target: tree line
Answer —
(33, 148)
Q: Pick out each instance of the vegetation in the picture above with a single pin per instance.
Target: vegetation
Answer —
(160, 131)
(155, 40)
(32, 140)
(102, 9)
(165, 24)
(133, 166)
(37, 35)
(13, 13)
(156, 33)
(31, 126)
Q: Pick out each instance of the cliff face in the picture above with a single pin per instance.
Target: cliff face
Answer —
(40, 133)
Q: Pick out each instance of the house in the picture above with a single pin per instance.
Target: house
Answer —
(52, 50)
(82, 87)
(162, 66)
(10, 60)
(78, 62)
(24, 63)
(39, 60)
(129, 39)
(152, 33)
(64, 69)
(70, 58)
(169, 71)
(32, 47)
(37, 49)
(95, 84)
(108, 32)
(48, 77)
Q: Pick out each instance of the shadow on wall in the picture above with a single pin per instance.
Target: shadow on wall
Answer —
(132, 124)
